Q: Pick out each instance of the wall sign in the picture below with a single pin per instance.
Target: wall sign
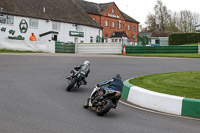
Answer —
(23, 26)
(112, 15)
(75, 33)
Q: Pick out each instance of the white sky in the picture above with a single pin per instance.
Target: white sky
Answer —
(139, 9)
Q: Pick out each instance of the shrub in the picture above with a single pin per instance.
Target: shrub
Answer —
(184, 38)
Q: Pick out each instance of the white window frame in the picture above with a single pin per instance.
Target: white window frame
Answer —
(120, 25)
(33, 23)
(113, 11)
(9, 19)
(56, 26)
(106, 23)
(129, 27)
(113, 24)
(134, 28)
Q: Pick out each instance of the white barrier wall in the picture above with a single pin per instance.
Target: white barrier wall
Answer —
(28, 45)
(199, 49)
(156, 101)
(99, 48)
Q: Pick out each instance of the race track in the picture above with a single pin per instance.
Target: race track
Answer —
(33, 97)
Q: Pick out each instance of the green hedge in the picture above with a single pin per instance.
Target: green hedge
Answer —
(184, 38)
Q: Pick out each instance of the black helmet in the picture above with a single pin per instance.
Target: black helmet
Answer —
(118, 76)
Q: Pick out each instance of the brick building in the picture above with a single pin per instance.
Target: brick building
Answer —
(116, 24)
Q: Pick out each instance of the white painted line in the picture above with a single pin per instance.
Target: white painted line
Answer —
(148, 110)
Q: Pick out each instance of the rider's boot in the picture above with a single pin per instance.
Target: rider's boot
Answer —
(84, 81)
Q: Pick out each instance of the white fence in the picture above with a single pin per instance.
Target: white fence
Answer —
(99, 48)
(199, 49)
(28, 45)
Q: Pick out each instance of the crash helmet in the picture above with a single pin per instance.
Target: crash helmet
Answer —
(87, 63)
(118, 76)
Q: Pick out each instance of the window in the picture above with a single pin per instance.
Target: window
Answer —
(106, 23)
(129, 27)
(91, 39)
(134, 28)
(120, 25)
(55, 26)
(120, 40)
(33, 23)
(113, 24)
(7, 19)
(116, 40)
(113, 40)
(113, 11)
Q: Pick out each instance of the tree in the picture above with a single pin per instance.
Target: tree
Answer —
(160, 19)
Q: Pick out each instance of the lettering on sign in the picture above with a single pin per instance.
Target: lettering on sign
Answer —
(112, 15)
(75, 33)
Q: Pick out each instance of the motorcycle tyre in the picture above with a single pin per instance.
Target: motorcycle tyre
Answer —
(105, 109)
(71, 85)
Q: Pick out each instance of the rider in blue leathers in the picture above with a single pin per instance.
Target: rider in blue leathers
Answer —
(114, 84)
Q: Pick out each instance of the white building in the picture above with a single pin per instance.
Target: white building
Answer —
(197, 28)
(64, 21)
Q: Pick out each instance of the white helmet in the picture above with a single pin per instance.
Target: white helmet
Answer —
(87, 63)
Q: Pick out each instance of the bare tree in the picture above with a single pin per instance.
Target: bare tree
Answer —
(160, 19)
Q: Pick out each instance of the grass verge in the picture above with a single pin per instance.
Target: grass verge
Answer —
(184, 84)
(166, 55)
(17, 51)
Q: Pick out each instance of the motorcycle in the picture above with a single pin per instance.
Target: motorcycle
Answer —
(75, 80)
(102, 101)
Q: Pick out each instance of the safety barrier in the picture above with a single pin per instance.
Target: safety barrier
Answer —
(27, 45)
(161, 102)
(199, 49)
(160, 49)
(99, 48)
(61, 47)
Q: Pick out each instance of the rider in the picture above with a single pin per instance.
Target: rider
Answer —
(85, 67)
(114, 84)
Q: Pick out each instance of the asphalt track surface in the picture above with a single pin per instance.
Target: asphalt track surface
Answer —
(33, 97)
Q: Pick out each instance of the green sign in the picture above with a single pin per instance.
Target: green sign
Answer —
(75, 33)
(23, 26)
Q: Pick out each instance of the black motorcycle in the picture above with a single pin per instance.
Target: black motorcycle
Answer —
(102, 100)
(75, 80)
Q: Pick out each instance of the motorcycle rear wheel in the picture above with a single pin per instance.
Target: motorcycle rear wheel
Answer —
(102, 110)
(71, 85)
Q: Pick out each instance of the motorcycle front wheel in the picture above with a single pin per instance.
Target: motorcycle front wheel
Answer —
(71, 85)
(102, 110)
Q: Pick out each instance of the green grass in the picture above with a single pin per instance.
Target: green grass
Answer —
(167, 55)
(17, 51)
(184, 84)
(192, 44)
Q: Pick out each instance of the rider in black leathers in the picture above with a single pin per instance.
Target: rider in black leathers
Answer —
(83, 67)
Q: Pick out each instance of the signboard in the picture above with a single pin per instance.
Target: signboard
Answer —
(23, 26)
(112, 15)
(75, 33)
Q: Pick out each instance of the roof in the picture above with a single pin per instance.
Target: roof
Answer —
(119, 34)
(49, 32)
(128, 18)
(160, 34)
(104, 6)
(99, 9)
(57, 10)
(89, 7)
